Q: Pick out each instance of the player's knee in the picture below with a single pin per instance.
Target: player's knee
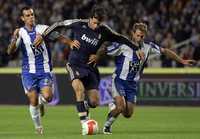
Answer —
(33, 102)
(79, 91)
(119, 109)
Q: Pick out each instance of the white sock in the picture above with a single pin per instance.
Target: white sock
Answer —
(109, 122)
(42, 100)
(35, 115)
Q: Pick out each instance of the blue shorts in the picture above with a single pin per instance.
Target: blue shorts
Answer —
(88, 75)
(33, 81)
(125, 88)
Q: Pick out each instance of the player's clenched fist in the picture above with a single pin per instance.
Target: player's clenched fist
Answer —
(15, 34)
(140, 54)
(38, 40)
(188, 62)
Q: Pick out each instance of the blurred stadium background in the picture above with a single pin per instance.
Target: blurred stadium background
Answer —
(172, 23)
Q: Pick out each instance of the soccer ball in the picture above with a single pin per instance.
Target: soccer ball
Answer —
(90, 127)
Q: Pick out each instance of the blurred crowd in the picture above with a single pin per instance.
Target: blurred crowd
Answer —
(170, 22)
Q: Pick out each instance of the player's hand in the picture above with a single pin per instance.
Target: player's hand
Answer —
(140, 54)
(93, 59)
(38, 40)
(74, 44)
(189, 62)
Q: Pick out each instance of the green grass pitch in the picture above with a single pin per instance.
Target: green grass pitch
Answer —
(61, 122)
(109, 70)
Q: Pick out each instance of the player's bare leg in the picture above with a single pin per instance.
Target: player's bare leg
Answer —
(45, 97)
(93, 95)
(80, 96)
(113, 114)
(34, 110)
(93, 99)
(129, 110)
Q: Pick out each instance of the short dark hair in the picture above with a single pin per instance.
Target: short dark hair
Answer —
(98, 12)
(24, 8)
(141, 26)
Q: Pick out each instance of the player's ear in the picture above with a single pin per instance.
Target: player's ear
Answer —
(22, 18)
(132, 33)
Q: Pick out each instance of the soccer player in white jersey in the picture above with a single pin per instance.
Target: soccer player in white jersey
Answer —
(128, 70)
(36, 63)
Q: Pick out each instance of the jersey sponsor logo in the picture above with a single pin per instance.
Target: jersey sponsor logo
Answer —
(134, 67)
(37, 51)
(93, 41)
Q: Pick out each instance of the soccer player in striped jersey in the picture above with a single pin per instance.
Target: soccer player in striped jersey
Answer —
(128, 70)
(91, 34)
(36, 63)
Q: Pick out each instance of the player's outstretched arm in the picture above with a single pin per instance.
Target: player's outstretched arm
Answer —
(116, 37)
(65, 23)
(52, 28)
(12, 47)
(40, 37)
(177, 58)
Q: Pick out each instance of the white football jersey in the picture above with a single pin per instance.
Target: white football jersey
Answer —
(128, 66)
(34, 60)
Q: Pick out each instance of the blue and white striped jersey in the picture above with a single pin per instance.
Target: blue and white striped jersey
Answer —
(34, 60)
(128, 66)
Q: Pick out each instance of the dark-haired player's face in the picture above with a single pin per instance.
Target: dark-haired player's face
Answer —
(138, 35)
(28, 17)
(94, 23)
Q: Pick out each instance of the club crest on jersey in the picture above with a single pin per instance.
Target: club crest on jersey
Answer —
(93, 41)
(99, 37)
(77, 73)
(47, 82)
(84, 26)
